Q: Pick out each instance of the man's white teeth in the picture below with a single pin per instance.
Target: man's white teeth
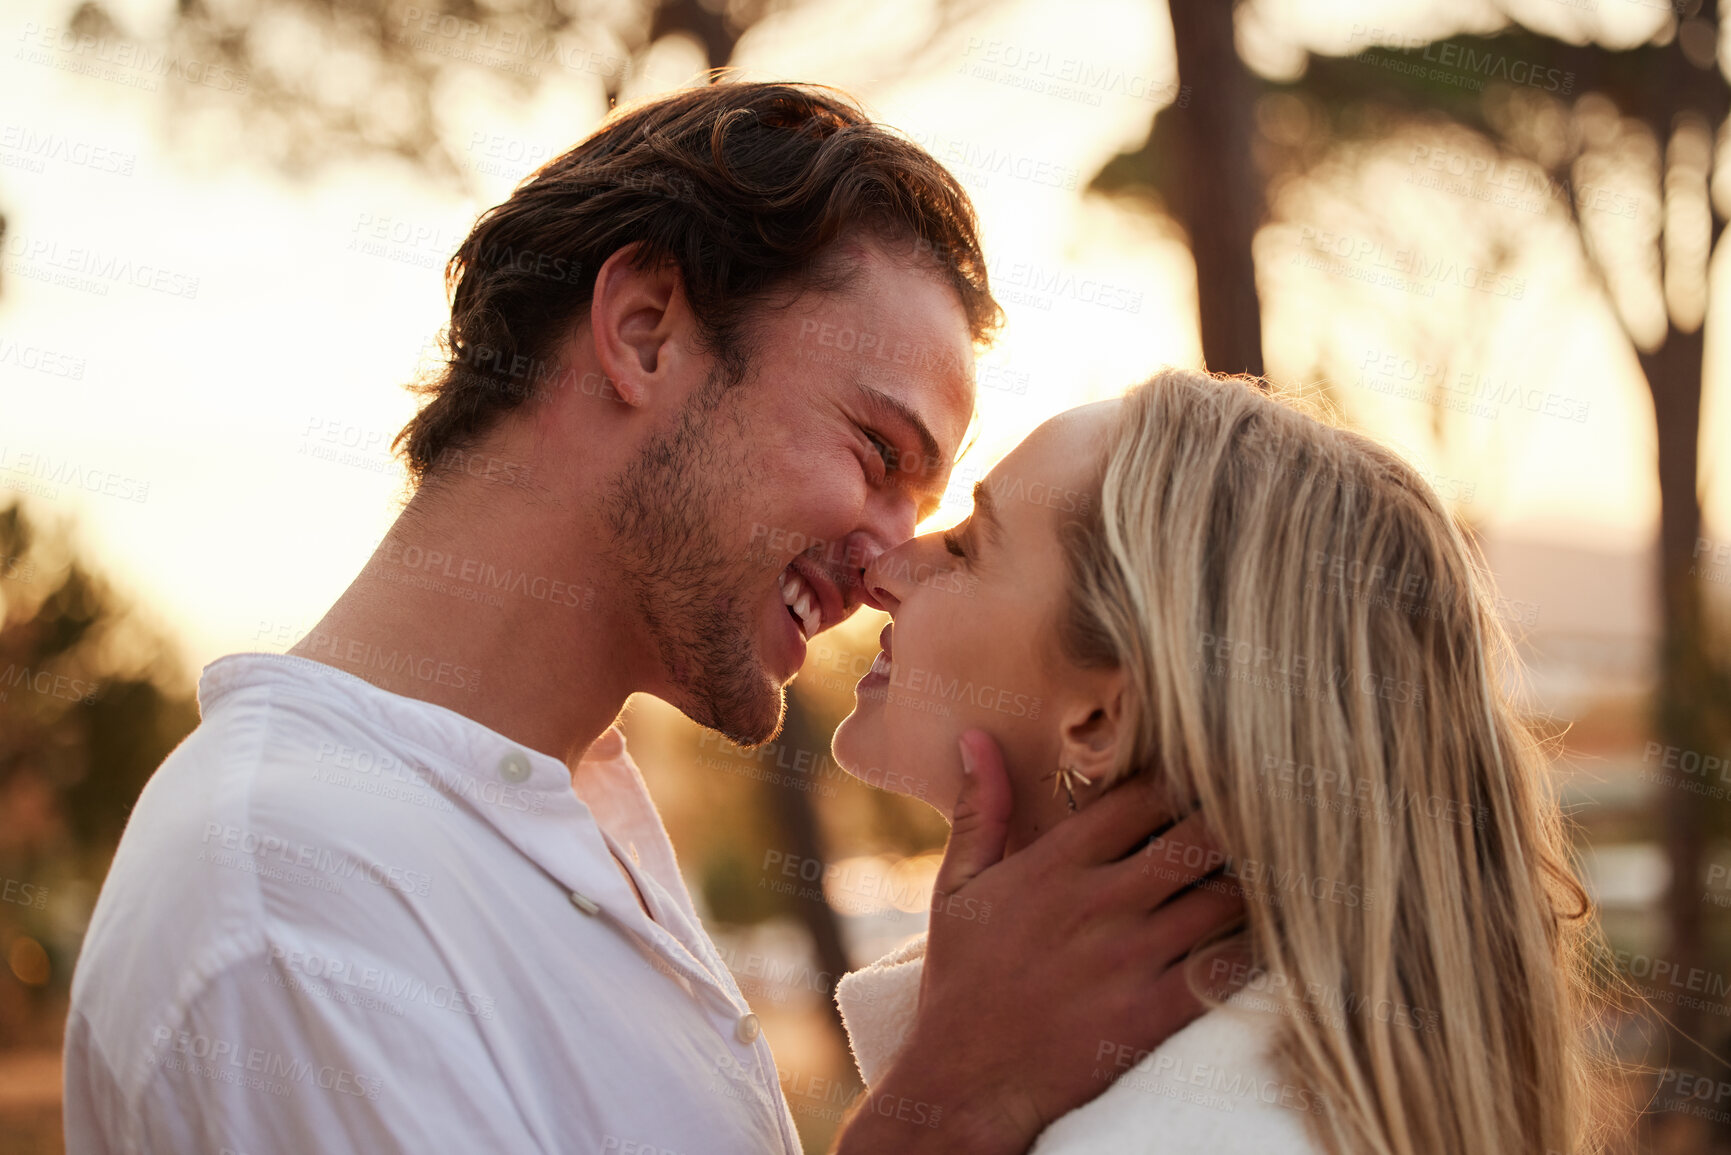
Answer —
(881, 664)
(799, 597)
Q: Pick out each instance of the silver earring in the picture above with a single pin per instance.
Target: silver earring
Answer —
(1066, 777)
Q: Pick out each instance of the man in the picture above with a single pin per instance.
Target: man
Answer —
(403, 889)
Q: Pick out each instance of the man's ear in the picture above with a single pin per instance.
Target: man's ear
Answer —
(1092, 727)
(638, 319)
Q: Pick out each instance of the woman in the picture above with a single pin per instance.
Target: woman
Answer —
(1280, 620)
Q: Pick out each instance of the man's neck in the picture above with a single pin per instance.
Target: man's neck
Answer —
(462, 606)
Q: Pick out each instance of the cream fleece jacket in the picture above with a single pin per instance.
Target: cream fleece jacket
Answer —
(1210, 1089)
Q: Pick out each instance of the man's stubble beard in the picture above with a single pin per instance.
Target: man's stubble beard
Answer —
(664, 510)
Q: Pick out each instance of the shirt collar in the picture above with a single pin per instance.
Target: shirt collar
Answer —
(525, 795)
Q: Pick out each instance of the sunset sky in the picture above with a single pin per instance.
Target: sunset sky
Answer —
(277, 316)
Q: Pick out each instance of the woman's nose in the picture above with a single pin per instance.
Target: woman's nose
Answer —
(881, 589)
(888, 578)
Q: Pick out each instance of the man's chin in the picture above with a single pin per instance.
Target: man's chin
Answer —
(743, 719)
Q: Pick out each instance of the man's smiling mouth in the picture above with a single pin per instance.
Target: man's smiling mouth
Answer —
(801, 601)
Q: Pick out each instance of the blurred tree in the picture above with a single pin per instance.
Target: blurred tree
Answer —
(803, 729)
(1209, 180)
(90, 704)
(318, 80)
(1658, 106)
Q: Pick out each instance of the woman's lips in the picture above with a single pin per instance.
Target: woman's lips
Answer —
(880, 671)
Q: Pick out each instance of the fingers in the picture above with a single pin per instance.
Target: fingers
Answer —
(1118, 821)
(1224, 971)
(1195, 918)
(1178, 857)
(981, 819)
(1170, 1006)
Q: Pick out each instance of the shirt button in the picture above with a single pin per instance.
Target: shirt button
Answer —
(746, 1029)
(514, 767)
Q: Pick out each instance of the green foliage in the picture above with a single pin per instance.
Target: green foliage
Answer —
(90, 703)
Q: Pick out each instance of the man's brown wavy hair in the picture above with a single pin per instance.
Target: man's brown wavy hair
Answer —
(744, 185)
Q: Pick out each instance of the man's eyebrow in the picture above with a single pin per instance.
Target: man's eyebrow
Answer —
(931, 459)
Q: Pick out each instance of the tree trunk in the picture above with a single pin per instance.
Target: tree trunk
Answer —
(798, 822)
(1216, 190)
(1686, 714)
(1680, 707)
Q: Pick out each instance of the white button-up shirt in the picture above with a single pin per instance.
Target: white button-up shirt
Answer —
(341, 920)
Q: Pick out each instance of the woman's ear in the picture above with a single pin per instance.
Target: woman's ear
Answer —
(1092, 724)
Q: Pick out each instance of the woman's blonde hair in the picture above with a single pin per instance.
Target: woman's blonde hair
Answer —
(1314, 660)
